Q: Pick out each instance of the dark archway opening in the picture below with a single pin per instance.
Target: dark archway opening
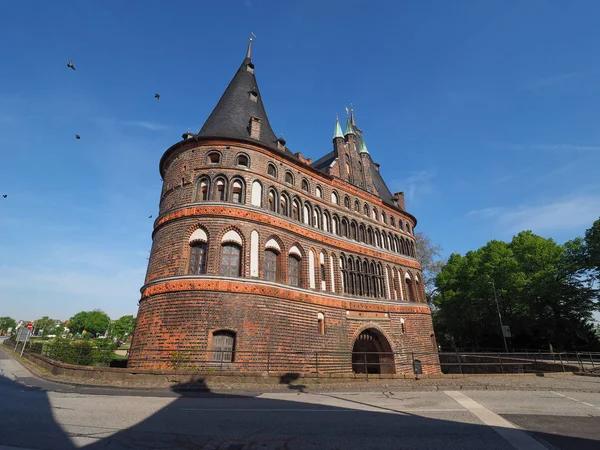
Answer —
(372, 353)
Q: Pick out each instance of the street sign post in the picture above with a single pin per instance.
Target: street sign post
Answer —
(506, 331)
(22, 336)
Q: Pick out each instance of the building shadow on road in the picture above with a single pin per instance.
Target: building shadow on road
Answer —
(197, 418)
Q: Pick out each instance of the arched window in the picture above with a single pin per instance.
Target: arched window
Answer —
(238, 192)
(410, 288)
(256, 193)
(370, 236)
(296, 210)
(306, 216)
(271, 265)
(289, 178)
(356, 206)
(374, 214)
(361, 233)
(213, 158)
(326, 222)
(272, 200)
(319, 192)
(392, 221)
(198, 248)
(344, 231)
(407, 227)
(223, 346)
(203, 189)
(220, 189)
(353, 231)
(335, 225)
(305, 186)
(334, 198)
(284, 204)
(230, 260)
(347, 202)
(243, 160)
(294, 270)
(272, 170)
(383, 217)
(316, 219)
(401, 224)
(366, 209)
(321, 323)
(377, 238)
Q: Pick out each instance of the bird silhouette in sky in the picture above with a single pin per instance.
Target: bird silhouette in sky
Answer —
(4, 195)
(157, 96)
(70, 65)
(150, 216)
(77, 137)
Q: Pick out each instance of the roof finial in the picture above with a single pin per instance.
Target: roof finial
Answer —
(249, 52)
(352, 115)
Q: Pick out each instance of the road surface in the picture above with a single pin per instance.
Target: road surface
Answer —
(39, 415)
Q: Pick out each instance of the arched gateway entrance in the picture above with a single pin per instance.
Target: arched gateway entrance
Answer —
(372, 353)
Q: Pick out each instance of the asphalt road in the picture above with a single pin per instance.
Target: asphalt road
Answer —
(40, 415)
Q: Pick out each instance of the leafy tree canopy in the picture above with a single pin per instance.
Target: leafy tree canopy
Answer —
(123, 327)
(541, 295)
(6, 323)
(93, 322)
(47, 326)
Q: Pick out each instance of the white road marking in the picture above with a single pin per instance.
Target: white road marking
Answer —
(509, 431)
(575, 400)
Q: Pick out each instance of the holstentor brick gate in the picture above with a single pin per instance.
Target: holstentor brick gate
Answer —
(264, 260)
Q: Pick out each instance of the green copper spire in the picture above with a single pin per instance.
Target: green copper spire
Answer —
(338, 128)
(349, 127)
(363, 146)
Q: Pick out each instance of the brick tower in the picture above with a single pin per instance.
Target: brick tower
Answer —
(263, 260)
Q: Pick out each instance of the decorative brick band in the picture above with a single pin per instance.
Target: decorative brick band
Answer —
(231, 211)
(247, 286)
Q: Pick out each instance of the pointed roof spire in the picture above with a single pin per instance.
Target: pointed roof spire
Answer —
(240, 102)
(352, 116)
(249, 51)
(349, 127)
(338, 128)
(363, 146)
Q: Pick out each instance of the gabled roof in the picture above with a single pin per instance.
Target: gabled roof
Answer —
(324, 162)
(231, 116)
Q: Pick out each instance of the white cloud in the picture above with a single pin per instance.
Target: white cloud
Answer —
(560, 215)
(416, 185)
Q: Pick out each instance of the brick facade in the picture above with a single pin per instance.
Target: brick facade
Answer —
(357, 271)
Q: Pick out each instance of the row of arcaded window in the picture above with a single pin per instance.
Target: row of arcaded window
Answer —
(221, 188)
(358, 276)
(214, 158)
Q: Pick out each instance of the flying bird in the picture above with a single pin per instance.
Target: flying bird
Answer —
(4, 195)
(70, 65)
(77, 137)
(150, 216)
(157, 96)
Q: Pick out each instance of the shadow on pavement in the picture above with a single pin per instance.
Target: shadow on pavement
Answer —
(200, 419)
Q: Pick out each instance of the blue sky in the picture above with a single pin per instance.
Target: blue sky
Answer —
(484, 113)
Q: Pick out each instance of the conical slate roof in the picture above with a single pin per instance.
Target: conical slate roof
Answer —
(240, 101)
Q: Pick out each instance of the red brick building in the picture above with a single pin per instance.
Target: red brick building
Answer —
(263, 260)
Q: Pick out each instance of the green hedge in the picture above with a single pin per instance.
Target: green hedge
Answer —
(99, 352)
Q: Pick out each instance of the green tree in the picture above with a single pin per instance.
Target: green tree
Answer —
(541, 295)
(430, 258)
(47, 326)
(6, 323)
(123, 327)
(592, 244)
(93, 322)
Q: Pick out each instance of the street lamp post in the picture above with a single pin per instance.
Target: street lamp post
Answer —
(499, 317)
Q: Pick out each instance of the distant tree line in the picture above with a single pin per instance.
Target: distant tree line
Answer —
(546, 292)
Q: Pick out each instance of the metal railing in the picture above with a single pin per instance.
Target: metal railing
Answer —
(330, 362)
